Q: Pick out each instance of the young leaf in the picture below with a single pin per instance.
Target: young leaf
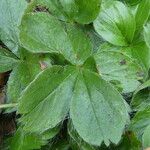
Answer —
(51, 90)
(30, 141)
(115, 65)
(105, 109)
(116, 24)
(142, 13)
(11, 12)
(7, 60)
(147, 34)
(42, 33)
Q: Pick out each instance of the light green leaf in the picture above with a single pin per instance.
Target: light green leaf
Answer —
(11, 12)
(7, 60)
(147, 34)
(98, 111)
(30, 141)
(42, 33)
(51, 90)
(116, 66)
(142, 13)
(146, 137)
(116, 24)
(73, 10)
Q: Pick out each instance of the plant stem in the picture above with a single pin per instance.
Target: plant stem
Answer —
(8, 105)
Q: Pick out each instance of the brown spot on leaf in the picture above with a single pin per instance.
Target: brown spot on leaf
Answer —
(140, 74)
(123, 62)
(43, 65)
(41, 9)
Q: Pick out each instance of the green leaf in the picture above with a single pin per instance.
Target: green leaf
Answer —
(7, 60)
(74, 10)
(141, 97)
(77, 142)
(115, 65)
(141, 53)
(42, 33)
(146, 137)
(98, 111)
(131, 2)
(116, 24)
(140, 121)
(80, 43)
(142, 13)
(22, 75)
(87, 11)
(51, 90)
(147, 34)
(11, 12)
(30, 141)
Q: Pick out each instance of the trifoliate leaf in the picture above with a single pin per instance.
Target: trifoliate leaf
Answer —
(42, 33)
(116, 24)
(7, 60)
(11, 12)
(115, 65)
(51, 90)
(98, 111)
